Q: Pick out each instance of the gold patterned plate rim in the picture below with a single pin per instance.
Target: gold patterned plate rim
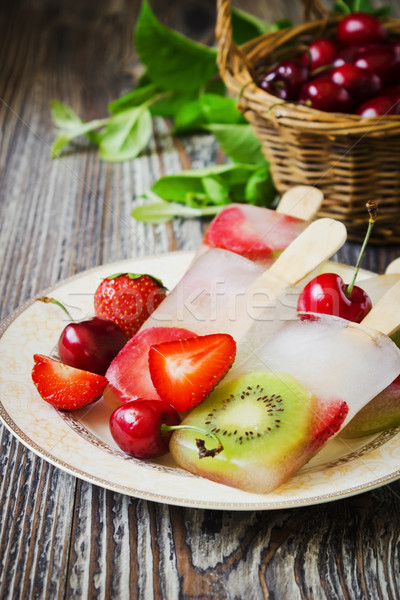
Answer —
(80, 443)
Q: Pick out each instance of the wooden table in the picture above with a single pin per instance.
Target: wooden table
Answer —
(62, 537)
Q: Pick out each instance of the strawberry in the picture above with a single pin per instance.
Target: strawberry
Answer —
(252, 232)
(64, 386)
(128, 299)
(185, 372)
(128, 375)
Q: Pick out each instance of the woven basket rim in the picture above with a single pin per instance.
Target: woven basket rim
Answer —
(239, 79)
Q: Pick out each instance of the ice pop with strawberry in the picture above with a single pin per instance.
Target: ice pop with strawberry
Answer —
(223, 292)
(260, 234)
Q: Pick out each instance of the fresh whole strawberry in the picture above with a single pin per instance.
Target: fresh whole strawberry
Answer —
(128, 299)
(184, 372)
(64, 386)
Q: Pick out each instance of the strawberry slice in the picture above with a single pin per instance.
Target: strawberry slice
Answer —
(64, 386)
(185, 372)
(128, 376)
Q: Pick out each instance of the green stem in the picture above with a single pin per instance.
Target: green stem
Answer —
(48, 300)
(346, 9)
(372, 209)
(203, 452)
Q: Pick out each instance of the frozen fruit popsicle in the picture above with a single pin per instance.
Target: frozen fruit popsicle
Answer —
(277, 408)
(260, 234)
(383, 411)
(223, 292)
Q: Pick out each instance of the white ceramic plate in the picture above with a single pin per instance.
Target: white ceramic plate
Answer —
(80, 442)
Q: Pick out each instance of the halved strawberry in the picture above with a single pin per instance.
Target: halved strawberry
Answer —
(128, 376)
(185, 372)
(63, 386)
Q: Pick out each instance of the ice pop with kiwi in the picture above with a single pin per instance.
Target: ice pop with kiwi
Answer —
(223, 292)
(260, 234)
(383, 411)
(275, 410)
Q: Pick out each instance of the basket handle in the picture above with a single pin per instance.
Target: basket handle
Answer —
(227, 49)
(223, 32)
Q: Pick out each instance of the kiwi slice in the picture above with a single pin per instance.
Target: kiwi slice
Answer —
(264, 422)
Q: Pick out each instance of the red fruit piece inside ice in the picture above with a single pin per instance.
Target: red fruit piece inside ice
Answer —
(328, 420)
(128, 376)
(252, 232)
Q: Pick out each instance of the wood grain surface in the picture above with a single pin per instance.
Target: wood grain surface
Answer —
(61, 537)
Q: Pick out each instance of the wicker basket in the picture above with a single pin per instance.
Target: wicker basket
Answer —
(351, 159)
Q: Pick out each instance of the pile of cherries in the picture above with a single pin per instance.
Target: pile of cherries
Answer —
(357, 72)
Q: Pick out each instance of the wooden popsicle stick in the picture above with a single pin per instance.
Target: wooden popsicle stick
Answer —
(385, 315)
(301, 201)
(317, 243)
(393, 267)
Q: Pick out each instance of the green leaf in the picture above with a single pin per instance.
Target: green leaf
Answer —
(177, 188)
(174, 188)
(247, 26)
(126, 134)
(70, 133)
(350, 6)
(170, 106)
(216, 190)
(260, 189)
(197, 188)
(162, 212)
(207, 109)
(215, 86)
(220, 109)
(190, 117)
(63, 116)
(174, 61)
(238, 142)
(135, 98)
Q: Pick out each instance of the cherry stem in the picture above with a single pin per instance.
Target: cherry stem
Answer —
(320, 70)
(48, 300)
(372, 208)
(203, 452)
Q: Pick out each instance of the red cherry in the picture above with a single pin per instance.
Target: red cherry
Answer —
(360, 83)
(289, 77)
(347, 55)
(325, 95)
(392, 92)
(381, 60)
(321, 52)
(326, 294)
(91, 345)
(276, 88)
(360, 28)
(137, 427)
(378, 107)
